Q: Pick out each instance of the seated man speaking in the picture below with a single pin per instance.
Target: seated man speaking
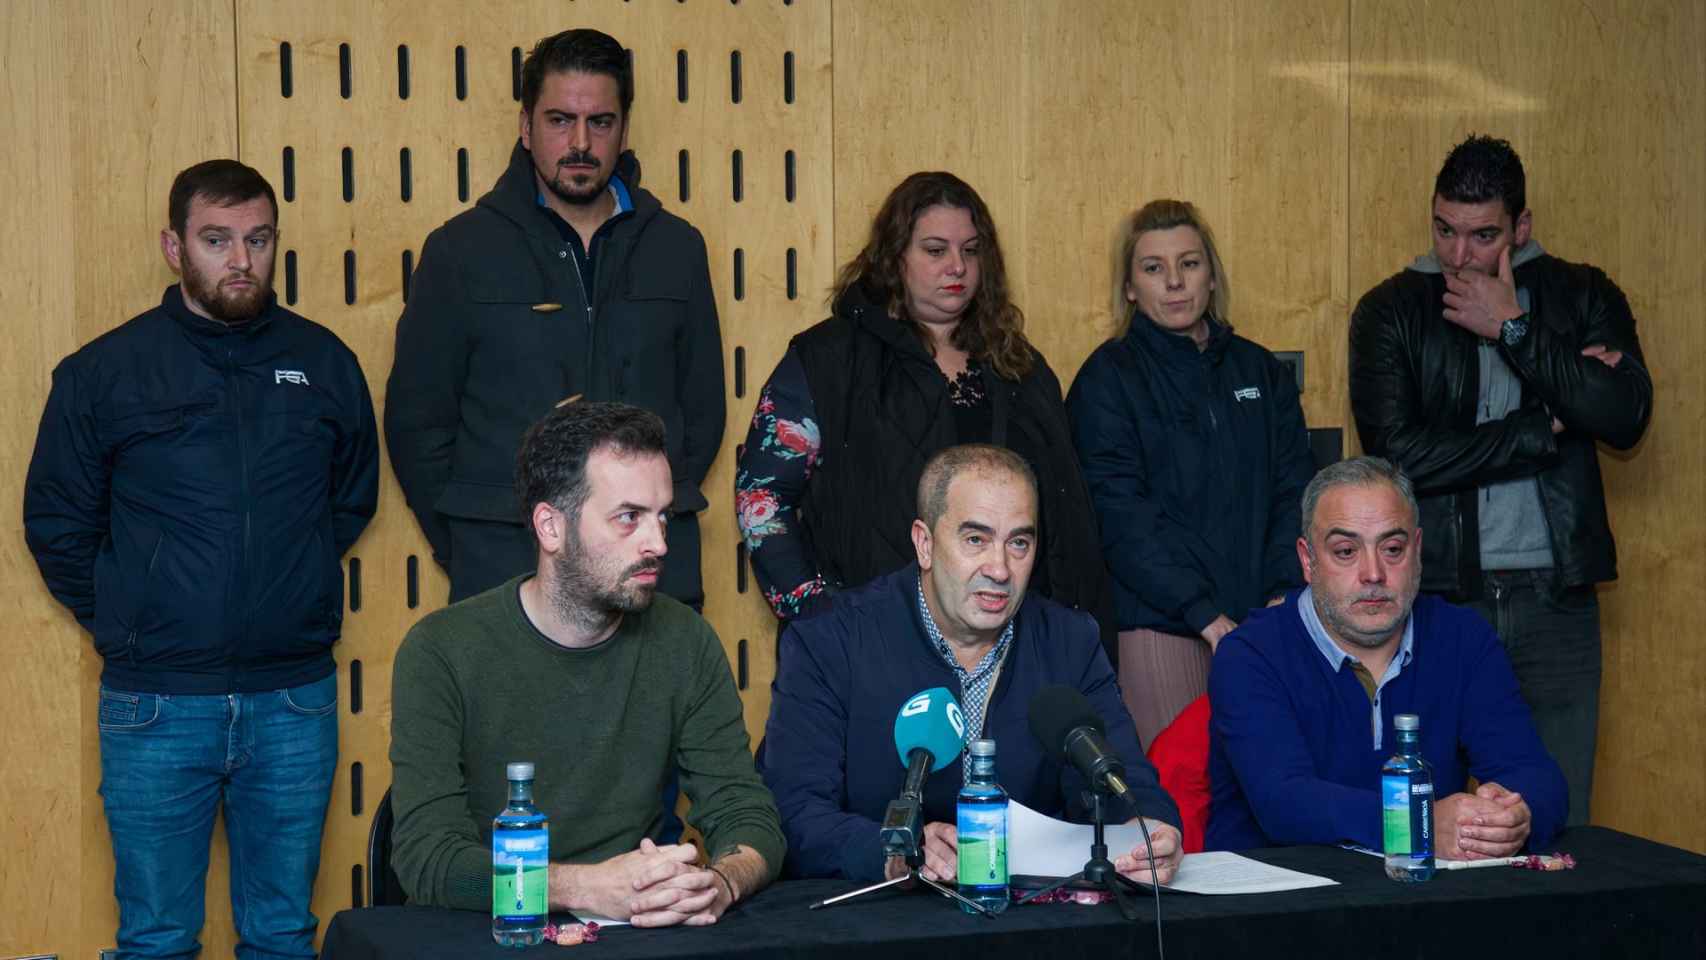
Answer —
(958, 619)
(1303, 694)
(581, 668)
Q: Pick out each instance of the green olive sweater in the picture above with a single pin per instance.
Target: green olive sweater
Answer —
(476, 686)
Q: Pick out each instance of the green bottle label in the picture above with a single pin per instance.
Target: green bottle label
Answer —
(982, 845)
(520, 864)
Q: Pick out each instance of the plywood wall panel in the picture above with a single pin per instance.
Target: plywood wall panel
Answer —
(1606, 103)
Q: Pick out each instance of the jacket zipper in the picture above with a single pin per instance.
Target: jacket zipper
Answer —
(243, 469)
(154, 558)
(586, 295)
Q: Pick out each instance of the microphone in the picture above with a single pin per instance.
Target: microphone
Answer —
(929, 732)
(1070, 729)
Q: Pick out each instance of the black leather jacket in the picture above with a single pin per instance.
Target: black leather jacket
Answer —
(1414, 382)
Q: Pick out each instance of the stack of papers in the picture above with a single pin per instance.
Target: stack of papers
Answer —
(1042, 846)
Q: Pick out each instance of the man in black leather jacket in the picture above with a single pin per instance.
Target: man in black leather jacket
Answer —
(1488, 371)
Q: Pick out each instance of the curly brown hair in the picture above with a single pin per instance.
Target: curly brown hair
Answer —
(992, 327)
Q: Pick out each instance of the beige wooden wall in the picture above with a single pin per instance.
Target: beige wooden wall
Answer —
(1308, 131)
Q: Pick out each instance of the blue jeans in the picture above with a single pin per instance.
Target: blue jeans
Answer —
(1551, 635)
(168, 763)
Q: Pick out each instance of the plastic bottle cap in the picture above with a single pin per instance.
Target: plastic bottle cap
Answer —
(981, 748)
(1406, 721)
(519, 771)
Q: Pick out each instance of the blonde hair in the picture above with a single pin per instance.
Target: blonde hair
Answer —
(1165, 215)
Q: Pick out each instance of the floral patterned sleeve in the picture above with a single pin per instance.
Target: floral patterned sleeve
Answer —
(781, 450)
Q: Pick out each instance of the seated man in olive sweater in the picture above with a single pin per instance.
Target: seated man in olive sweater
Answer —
(606, 686)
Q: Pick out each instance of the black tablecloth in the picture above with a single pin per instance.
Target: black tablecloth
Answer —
(1628, 897)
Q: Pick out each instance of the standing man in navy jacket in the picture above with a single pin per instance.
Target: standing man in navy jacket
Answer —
(567, 279)
(958, 619)
(1303, 694)
(198, 473)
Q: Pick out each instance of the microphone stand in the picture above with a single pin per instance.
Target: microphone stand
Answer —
(914, 860)
(1098, 870)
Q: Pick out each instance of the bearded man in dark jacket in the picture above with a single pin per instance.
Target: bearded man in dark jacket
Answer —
(1488, 371)
(565, 280)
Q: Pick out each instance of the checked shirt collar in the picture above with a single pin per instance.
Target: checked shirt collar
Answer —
(974, 684)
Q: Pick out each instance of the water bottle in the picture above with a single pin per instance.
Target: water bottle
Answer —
(521, 852)
(983, 832)
(1407, 800)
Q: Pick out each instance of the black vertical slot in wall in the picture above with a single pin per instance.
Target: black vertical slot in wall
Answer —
(740, 274)
(345, 81)
(788, 176)
(740, 566)
(515, 74)
(405, 174)
(402, 71)
(737, 170)
(354, 584)
(290, 278)
(793, 274)
(355, 789)
(355, 888)
(412, 581)
(289, 174)
(788, 77)
(355, 686)
(681, 76)
(408, 272)
(681, 173)
(349, 277)
(462, 174)
(740, 372)
(740, 664)
(348, 161)
(462, 73)
(285, 87)
(734, 76)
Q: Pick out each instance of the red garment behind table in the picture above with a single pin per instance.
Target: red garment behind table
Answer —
(1180, 755)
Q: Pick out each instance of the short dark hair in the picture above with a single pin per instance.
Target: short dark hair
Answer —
(579, 51)
(1480, 169)
(941, 469)
(551, 465)
(223, 183)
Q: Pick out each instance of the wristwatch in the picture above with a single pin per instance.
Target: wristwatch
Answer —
(1512, 331)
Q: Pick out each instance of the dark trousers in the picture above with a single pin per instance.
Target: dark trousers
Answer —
(1551, 635)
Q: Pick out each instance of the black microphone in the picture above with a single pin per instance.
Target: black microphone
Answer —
(1069, 728)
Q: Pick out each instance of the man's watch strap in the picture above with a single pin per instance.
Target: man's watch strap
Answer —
(1513, 330)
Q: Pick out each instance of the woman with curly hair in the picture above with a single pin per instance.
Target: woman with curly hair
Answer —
(923, 350)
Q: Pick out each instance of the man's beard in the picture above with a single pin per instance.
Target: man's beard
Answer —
(584, 594)
(563, 186)
(1335, 614)
(224, 305)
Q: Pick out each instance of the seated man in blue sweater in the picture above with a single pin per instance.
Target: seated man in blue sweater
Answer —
(1303, 694)
(958, 619)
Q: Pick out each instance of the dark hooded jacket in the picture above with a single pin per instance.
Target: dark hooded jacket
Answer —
(498, 330)
(1197, 460)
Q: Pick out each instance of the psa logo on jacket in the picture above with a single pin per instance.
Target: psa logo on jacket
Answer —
(290, 376)
(1246, 393)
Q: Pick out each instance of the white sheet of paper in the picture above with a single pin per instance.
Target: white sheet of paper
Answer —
(601, 921)
(1042, 846)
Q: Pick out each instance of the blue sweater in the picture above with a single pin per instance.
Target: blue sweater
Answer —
(828, 753)
(1291, 756)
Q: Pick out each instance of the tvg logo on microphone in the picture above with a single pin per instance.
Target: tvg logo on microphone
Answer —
(921, 704)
